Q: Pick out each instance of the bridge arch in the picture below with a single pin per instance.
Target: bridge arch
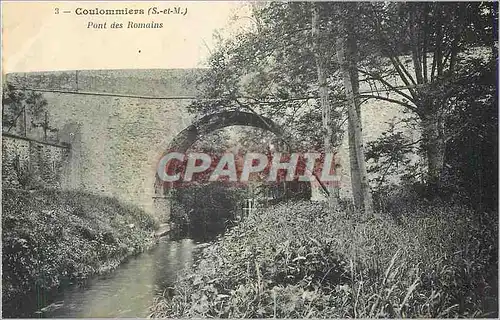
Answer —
(210, 123)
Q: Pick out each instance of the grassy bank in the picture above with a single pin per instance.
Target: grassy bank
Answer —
(51, 238)
(295, 260)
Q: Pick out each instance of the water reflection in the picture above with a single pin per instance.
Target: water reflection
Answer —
(126, 292)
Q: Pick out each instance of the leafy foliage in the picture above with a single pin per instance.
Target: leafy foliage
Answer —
(203, 211)
(16, 102)
(391, 158)
(271, 71)
(294, 261)
(423, 47)
(426, 47)
(51, 237)
(471, 147)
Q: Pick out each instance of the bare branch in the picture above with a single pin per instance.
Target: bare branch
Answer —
(386, 83)
(401, 103)
(403, 73)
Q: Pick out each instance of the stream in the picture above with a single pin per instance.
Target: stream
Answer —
(126, 292)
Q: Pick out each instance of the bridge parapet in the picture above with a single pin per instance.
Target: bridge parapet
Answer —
(152, 83)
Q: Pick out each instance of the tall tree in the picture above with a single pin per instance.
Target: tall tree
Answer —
(323, 92)
(419, 46)
(355, 127)
(347, 26)
(412, 50)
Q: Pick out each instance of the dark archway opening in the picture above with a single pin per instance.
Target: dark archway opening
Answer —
(204, 210)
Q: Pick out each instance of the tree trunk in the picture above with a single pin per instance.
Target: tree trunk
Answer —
(356, 126)
(357, 194)
(324, 99)
(352, 53)
(434, 145)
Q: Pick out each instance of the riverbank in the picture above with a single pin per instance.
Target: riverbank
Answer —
(54, 238)
(294, 260)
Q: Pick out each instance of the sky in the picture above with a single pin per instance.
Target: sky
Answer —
(36, 38)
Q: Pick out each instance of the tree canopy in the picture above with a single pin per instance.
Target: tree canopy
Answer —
(422, 57)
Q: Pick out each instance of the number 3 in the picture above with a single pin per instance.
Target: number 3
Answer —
(57, 10)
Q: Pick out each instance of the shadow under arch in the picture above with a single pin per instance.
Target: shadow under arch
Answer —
(212, 122)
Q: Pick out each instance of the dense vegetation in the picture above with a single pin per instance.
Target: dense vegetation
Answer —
(297, 260)
(435, 61)
(202, 211)
(51, 238)
(429, 248)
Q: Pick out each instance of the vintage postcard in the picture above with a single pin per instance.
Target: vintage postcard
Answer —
(249, 159)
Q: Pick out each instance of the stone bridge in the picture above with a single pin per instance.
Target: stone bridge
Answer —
(119, 123)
